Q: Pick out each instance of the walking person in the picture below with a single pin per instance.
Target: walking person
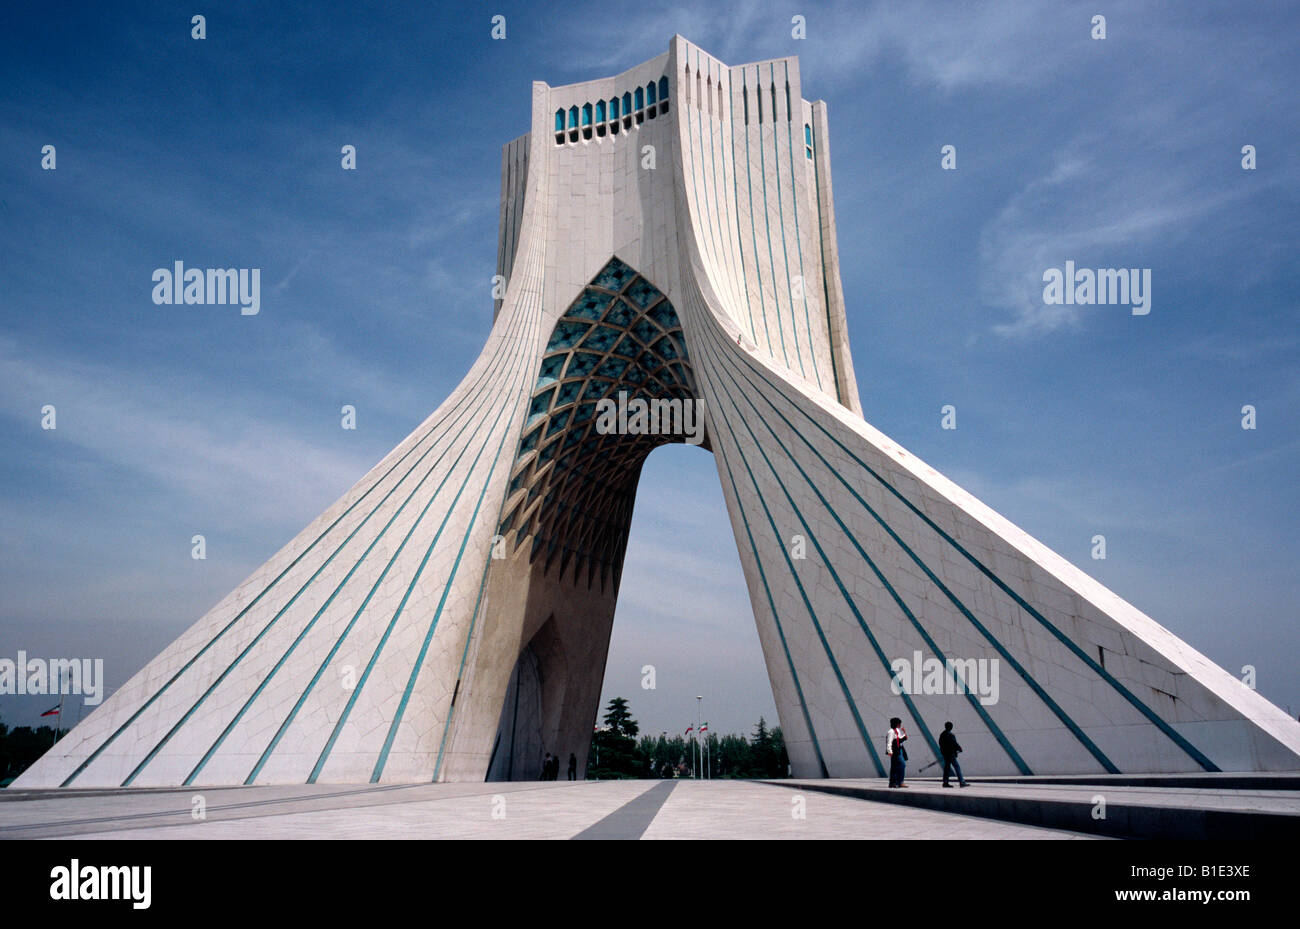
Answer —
(950, 749)
(546, 768)
(573, 766)
(894, 740)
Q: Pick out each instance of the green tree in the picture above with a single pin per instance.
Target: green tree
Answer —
(733, 757)
(614, 750)
(760, 750)
(768, 758)
(781, 760)
(19, 749)
(619, 718)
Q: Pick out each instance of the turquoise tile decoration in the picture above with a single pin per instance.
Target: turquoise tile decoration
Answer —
(591, 305)
(568, 393)
(613, 276)
(613, 368)
(557, 423)
(620, 315)
(566, 335)
(582, 363)
(596, 388)
(627, 347)
(645, 331)
(664, 315)
(643, 293)
(601, 339)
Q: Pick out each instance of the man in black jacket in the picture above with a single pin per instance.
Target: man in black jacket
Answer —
(949, 748)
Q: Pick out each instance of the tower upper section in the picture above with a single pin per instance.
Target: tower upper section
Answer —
(686, 165)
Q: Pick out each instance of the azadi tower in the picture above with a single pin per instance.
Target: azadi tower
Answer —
(667, 233)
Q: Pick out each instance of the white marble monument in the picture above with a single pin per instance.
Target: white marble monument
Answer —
(667, 234)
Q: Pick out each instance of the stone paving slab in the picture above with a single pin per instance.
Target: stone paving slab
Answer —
(631, 820)
(529, 811)
(526, 809)
(753, 810)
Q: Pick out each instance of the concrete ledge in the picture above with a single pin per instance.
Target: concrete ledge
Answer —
(1126, 817)
(1224, 781)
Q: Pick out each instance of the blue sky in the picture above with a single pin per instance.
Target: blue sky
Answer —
(1072, 421)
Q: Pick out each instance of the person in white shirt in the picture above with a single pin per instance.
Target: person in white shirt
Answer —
(894, 740)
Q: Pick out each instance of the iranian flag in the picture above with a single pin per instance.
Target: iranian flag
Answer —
(689, 730)
(51, 712)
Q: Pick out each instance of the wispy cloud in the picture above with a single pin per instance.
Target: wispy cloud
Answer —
(182, 445)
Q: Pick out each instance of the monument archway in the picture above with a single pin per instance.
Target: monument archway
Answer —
(615, 382)
(380, 643)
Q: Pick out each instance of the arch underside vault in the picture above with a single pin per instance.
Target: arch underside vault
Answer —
(569, 506)
(572, 488)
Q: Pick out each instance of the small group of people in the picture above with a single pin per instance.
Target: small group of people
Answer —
(949, 748)
(551, 767)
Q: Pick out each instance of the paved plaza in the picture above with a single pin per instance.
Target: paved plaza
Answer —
(838, 808)
(681, 809)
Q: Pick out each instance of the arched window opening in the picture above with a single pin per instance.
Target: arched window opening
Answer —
(640, 105)
(774, 116)
(758, 96)
(613, 115)
(586, 120)
(688, 85)
(807, 140)
(663, 94)
(559, 126)
(708, 91)
(789, 112)
(600, 117)
(627, 110)
(720, 98)
(650, 94)
(573, 124)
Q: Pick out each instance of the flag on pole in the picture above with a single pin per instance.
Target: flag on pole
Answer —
(689, 730)
(53, 711)
(704, 728)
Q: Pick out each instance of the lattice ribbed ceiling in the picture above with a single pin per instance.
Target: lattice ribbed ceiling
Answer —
(572, 488)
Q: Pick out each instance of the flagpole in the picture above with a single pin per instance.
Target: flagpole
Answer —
(699, 721)
(59, 721)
